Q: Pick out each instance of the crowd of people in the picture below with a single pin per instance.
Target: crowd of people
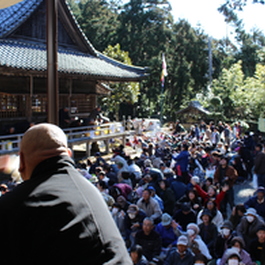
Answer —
(173, 203)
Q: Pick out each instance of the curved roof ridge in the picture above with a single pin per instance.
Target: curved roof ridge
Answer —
(90, 45)
(120, 64)
(13, 16)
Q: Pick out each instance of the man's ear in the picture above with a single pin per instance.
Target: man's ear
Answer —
(21, 162)
(69, 152)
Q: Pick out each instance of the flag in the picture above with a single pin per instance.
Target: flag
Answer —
(164, 70)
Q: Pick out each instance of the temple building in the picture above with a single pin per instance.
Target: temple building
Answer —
(84, 73)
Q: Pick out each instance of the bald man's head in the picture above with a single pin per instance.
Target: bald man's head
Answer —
(40, 142)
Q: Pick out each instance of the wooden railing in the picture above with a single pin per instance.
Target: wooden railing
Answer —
(9, 144)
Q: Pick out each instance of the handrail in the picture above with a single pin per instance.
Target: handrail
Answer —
(10, 143)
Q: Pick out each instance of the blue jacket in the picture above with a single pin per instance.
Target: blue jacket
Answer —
(168, 235)
(182, 160)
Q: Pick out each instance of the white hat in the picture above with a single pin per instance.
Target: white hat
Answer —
(182, 240)
(194, 227)
(251, 211)
(196, 179)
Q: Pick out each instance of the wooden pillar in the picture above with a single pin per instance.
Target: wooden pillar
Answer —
(52, 61)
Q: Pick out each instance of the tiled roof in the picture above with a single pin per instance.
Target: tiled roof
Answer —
(11, 17)
(26, 56)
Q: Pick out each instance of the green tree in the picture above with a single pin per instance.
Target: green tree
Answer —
(99, 21)
(226, 87)
(123, 92)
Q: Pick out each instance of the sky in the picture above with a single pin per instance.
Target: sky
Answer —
(205, 14)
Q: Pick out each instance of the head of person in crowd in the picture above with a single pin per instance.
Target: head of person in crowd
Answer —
(258, 147)
(39, 143)
(166, 220)
(192, 230)
(226, 229)
(192, 195)
(152, 190)
(121, 200)
(237, 243)
(261, 234)
(211, 206)
(101, 175)
(185, 208)
(148, 225)
(147, 178)
(233, 257)
(223, 161)
(251, 215)
(148, 163)
(260, 193)
(101, 185)
(211, 191)
(116, 208)
(206, 217)
(132, 211)
(216, 156)
(185, 147)
(136, 253)
(182, 245)
(208, 182)
(98, 170)
(120, 165)
(146, 195)
(240, 210)
(163, 184)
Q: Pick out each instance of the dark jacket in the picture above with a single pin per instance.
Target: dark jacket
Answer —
(151, 243)
(253, 203)
(248, 230)
(259, 163)
(221, 244)
(58, 217)
(208, 234)
(173, 258)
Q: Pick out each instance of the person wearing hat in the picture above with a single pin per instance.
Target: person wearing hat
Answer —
(223, 240)
(217, 217)
(180, 255)
(196, 244)
(233, 257)
(238, 244)
(249, 225)
(208, 230)
(133, 222)
(168, 229)
(257, 202)
(257, 247)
